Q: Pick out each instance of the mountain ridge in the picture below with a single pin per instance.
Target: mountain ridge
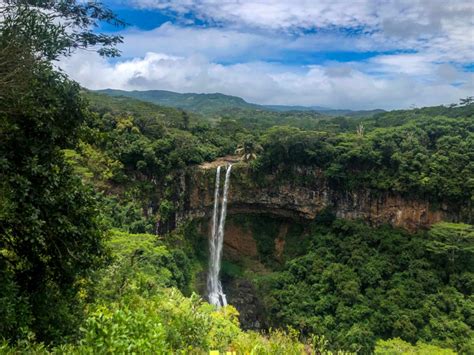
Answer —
(217, 103)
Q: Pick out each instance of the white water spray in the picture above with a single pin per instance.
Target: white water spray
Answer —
(214, 286)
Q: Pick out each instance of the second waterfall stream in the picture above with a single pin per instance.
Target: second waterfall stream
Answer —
(214, 287)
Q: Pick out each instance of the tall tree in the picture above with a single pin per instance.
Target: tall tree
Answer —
(185, 117)
(50, 225)
(452, 240)
(248, 150)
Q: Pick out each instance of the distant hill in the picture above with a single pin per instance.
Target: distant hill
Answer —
(217, 104)
(285, 108)
(199, 103)
(351, 113)
(324, 110)
(140, 109)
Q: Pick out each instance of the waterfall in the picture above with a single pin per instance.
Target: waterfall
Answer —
(214, 286)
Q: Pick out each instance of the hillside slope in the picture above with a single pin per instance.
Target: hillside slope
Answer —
(217, 103)
(199, 103)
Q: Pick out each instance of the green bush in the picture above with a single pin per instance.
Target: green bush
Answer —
(141, 264)
(397, 346)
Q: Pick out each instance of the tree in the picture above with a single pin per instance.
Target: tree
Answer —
(248, 151)
(185, 117)
(467, 101)
(51, 28)
(452, 240)
(34, 32)
(50, 224)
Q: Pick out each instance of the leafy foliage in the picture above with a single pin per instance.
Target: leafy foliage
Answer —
(50, 226)
(248, 150)
(453, 240)
(54, 28)
(142, 265)
(427, 156)
(134, 311)
(356, 284)
(398, 346)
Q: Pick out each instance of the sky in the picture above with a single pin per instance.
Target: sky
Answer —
(347, 54)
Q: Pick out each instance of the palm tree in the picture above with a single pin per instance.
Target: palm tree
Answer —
(467, 101)
(248, 151)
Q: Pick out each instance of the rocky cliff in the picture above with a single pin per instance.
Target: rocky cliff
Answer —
(303, 197)
(267, 214)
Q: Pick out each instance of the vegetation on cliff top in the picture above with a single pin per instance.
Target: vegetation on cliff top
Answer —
(425, 156)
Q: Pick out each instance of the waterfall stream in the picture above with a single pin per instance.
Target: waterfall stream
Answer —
(214, 286)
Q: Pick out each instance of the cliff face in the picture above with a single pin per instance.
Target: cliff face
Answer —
(303, 194)
(303, 197)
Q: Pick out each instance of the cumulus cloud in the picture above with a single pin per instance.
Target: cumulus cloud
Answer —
(443, 27)
(274, 14)
(396, 64)
(417, 50)
(214, 43)
(344, 86)
(227, 44)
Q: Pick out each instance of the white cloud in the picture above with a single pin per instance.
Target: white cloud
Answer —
(396, 64)
(274, 14)
(214, 43)
(429, 41)
(342, 85)
(444, 28)
(227, 44)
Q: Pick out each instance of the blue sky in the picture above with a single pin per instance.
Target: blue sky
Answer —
(357, 54)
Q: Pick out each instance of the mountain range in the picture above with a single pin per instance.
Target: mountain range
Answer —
(217, 103)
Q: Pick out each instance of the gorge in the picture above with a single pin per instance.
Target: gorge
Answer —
(270, 222)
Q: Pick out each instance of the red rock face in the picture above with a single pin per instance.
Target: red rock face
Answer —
(396, 211)
(280, 241)
(239, 242)
(305, 200)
